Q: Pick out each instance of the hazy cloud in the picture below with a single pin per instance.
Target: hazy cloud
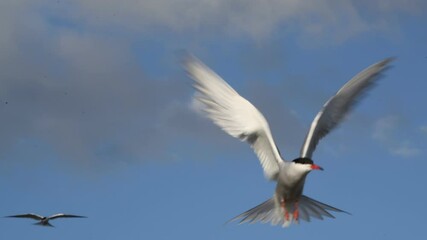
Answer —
(406, 151)
(387, 132)
(72, 81)
(329, 20)
(82, 96)
(86, 98)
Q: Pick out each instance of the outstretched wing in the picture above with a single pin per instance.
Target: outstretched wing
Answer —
(336, 108)
(234, 114)
(28, 215)
(63, 215)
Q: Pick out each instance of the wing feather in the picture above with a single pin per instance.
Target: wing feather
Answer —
(234, 114)
(28, 215)
(63, 215)
(337, 107)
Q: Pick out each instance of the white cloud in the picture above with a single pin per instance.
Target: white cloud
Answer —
(406, 151)
(387, 133)
(73, 82)
(81, 94)
(329, 19)
(384, 128)
(326, 21)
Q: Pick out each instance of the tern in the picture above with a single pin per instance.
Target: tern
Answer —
(240, 119)
(44, 221)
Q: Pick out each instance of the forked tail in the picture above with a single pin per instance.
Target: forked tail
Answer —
(43, 224)
(270, 211)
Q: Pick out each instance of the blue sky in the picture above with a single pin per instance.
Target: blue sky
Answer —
(97, 117)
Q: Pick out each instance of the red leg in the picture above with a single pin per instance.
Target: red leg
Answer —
(282, 204)
(296, 211)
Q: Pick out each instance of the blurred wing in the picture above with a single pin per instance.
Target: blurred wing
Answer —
(63, 215)
(234, 114)
(336, 108)
(28, 215)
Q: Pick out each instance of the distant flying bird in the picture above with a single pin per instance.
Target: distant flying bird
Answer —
(240, 119)
(44, 221)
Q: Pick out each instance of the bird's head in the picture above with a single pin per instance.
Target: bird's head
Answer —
(306, 164)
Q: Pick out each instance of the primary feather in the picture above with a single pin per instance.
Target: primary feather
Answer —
(235, 115)
(336, 108)
(63, 215)
(28, 215)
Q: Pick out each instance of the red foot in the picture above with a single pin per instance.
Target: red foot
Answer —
(296, 211)
(286, 215)
(296, 215)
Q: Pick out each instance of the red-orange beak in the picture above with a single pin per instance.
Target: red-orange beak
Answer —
(316, 167)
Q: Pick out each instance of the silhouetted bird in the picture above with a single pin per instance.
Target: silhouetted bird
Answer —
(44, 221)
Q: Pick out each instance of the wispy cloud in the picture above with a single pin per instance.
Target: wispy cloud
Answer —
(88, 99)
(72, 80)
(386, 132)
(83, 95)
(330, 20)
(405, 150)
